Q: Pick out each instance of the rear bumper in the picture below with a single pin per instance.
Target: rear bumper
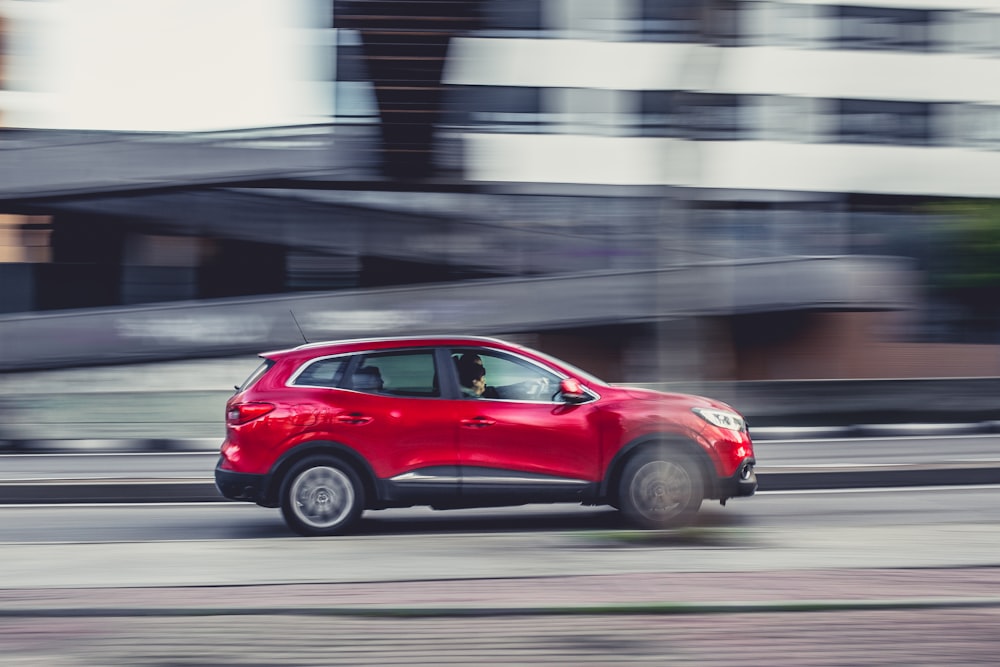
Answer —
(742, 483)
(240, 485)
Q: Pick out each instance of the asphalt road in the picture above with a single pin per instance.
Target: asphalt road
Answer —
(857, 574)
(831, 510)
(200, 544)
(836, 577)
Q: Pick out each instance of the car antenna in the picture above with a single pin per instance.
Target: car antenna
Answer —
(290, 312)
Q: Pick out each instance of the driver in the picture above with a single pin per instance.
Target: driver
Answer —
(472, 377)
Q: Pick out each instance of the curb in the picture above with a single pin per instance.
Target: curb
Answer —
(872, 431)
(112, 445)
(61, 491)
(889, 477)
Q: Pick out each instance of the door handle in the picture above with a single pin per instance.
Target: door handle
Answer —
(478, 422)
(353, 418)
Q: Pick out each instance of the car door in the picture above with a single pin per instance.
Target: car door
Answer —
(520, 442)
(392, 413)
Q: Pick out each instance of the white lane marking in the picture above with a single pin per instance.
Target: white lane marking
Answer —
(946, 463)
(883, 489)
(868, 438)
(113, 505)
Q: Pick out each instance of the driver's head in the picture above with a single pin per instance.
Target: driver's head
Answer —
(472, 376)
(470, 359)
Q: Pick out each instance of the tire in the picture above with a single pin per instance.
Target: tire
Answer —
(321, 496)
(660, 488)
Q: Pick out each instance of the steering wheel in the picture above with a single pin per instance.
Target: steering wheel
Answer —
(536, 387)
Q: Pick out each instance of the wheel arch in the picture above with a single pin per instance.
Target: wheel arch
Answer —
(275, 478)
(670, 441)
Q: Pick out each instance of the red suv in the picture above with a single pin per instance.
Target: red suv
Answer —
(328, 430)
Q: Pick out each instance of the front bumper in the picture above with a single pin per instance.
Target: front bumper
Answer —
(240, 485)
(742, 483)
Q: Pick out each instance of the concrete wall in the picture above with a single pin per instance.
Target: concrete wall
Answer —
(857, 345)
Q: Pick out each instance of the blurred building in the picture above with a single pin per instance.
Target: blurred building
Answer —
(664, 188)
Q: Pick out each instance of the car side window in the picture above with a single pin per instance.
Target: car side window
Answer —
(322, 373)
(508, 377)
(396, 374)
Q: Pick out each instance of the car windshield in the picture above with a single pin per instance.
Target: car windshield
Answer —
(578, 372)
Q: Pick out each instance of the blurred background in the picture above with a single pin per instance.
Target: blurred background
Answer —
(789, 205)
(723, 195)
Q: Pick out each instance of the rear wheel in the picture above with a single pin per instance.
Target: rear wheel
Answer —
(661, 488)
(321, 496)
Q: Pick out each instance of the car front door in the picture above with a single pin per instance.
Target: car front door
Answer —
(519, 442)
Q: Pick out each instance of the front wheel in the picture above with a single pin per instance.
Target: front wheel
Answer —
(660, 489)
(321, 496)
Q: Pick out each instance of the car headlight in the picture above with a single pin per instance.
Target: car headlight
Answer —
(721, 418)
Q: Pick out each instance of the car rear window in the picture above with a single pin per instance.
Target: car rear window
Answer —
(258, 373)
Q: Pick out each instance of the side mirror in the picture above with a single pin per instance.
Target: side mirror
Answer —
(571, 391)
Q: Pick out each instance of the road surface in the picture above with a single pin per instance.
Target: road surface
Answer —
(907, 576)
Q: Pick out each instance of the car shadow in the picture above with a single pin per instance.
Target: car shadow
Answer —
(502, 520)
(538, 519)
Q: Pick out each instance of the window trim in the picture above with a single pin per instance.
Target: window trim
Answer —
(444, 366)
(354, 361)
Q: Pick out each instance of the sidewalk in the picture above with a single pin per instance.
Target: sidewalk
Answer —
(657, 593)
(813, 617)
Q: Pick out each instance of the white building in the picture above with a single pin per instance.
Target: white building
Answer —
(523, 136)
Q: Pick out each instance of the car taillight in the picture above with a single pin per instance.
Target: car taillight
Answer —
(241, 413)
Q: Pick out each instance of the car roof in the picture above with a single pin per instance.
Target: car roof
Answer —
(359, 344)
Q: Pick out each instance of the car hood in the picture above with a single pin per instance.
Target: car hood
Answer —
(690, 400)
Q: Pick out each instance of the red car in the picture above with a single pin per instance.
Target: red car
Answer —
(327, 430)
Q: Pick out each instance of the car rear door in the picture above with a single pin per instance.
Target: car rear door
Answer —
(390, 410)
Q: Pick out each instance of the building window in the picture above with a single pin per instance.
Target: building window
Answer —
(783, 118)
(511, 109)
(723, 22)
(658, 114)
(969, 32)
(784, 24)
(887, 28)
(711, 117)
(969, 125)
(591, 111)
(511, 18)
(982, 126)
(589, 19)
(884, 122)
(671, 20)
